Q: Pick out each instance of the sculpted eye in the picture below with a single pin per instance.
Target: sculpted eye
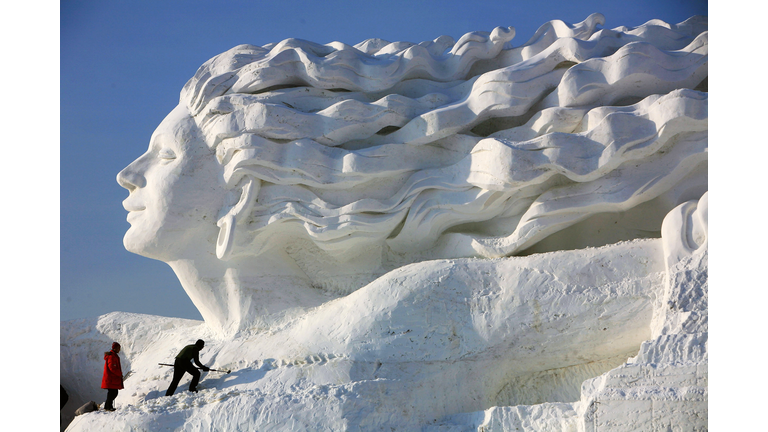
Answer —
(166, 155)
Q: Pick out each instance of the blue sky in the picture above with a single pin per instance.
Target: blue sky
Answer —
(123, 64)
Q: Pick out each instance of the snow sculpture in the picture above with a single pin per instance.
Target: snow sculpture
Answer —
(297, 170)
(434, 236)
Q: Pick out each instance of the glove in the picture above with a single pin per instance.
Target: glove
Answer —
(206, 368)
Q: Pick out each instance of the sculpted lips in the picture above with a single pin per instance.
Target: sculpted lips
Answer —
(133, 211)
(133, 207)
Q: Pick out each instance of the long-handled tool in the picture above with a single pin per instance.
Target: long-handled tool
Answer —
(212, 370)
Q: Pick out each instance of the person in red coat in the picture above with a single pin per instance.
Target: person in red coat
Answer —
(113, 376)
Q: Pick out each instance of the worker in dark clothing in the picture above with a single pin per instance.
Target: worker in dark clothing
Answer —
(183, 363)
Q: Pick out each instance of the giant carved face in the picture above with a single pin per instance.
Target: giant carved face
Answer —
(448, 155)
(176, 192)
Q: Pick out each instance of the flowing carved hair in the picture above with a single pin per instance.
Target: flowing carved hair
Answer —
(449, 149)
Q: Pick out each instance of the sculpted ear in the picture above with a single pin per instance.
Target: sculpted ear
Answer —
(238, 213)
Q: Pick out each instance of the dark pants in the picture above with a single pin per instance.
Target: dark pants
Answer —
(111, 395)
(179, 367)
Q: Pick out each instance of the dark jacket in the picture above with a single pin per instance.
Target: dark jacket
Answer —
(190, 352)
(113, 373)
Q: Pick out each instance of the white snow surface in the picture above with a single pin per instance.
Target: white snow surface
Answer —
(358, 322)
(651, 371)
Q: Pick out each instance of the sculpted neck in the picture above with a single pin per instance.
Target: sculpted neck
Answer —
(241, 293)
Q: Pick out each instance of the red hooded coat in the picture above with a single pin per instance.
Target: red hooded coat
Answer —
(113, 373)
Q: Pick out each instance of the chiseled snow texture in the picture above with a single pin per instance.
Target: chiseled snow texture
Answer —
(423, 342)
(609, 338)
(492, 148)
(663, 387)
(327, 166)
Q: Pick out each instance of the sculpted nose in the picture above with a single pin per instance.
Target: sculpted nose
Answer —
(130, 179)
